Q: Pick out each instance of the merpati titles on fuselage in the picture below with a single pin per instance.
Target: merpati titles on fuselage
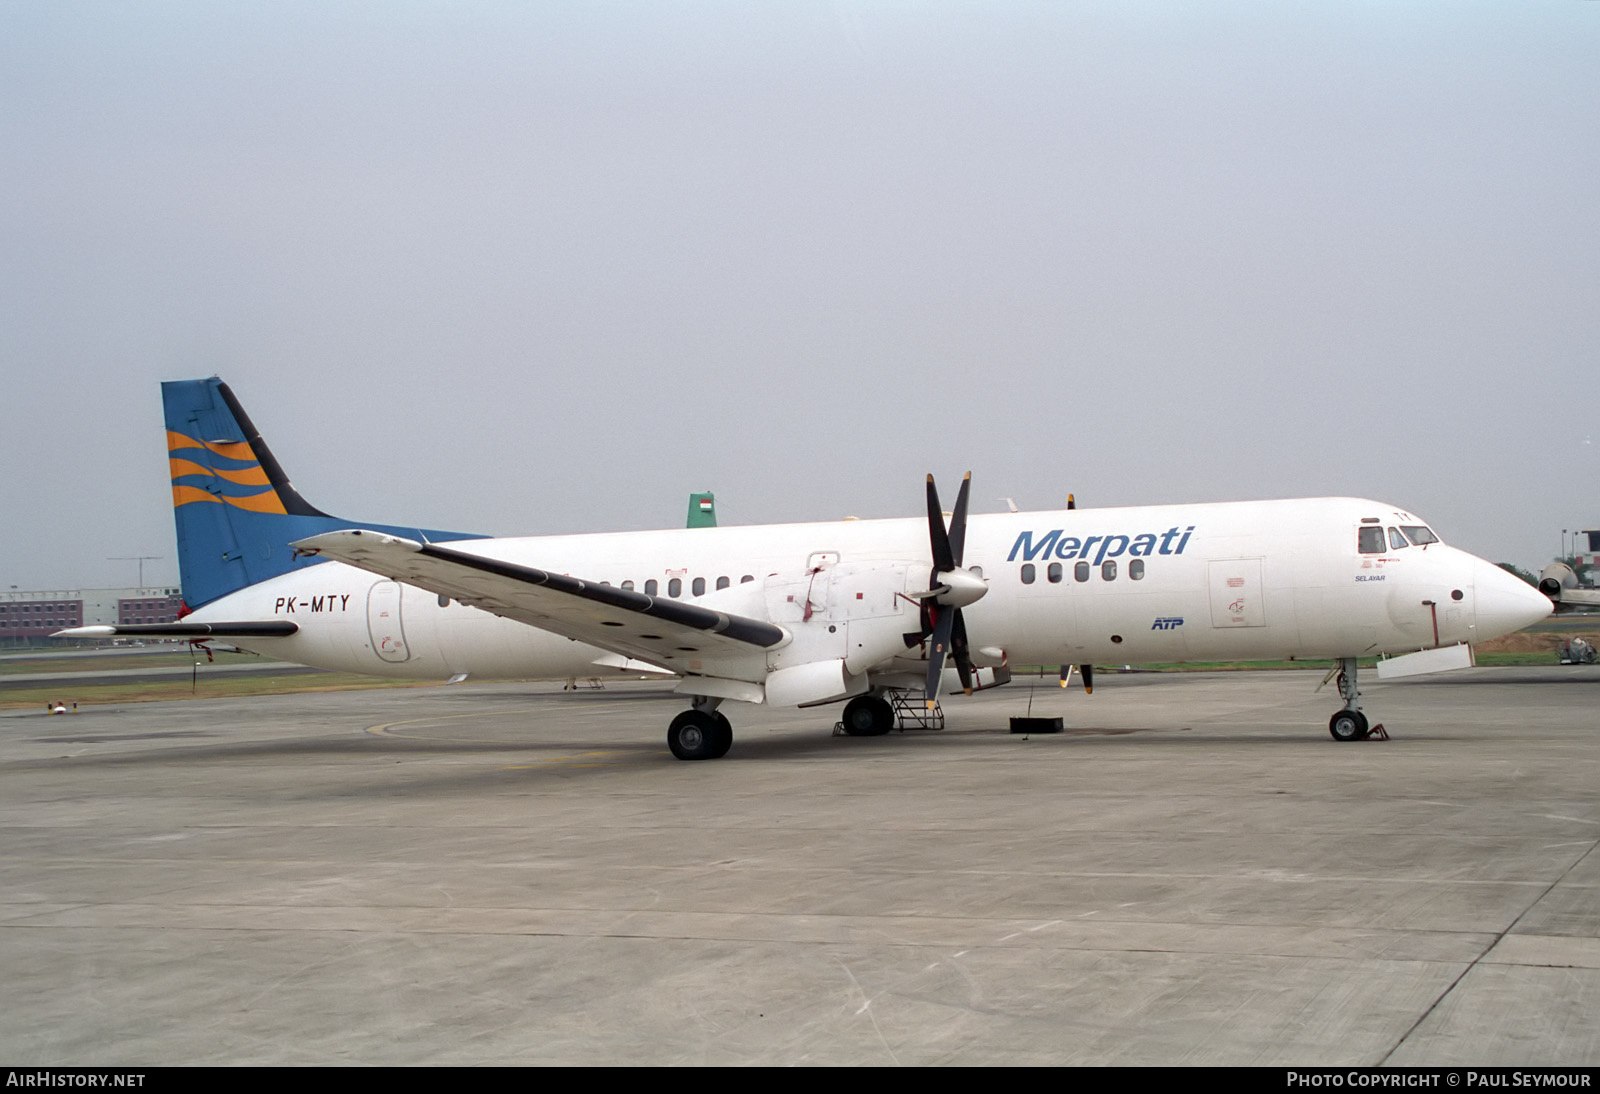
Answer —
(1056, 544)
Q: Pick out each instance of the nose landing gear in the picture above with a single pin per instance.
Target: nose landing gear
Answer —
(1350, 724)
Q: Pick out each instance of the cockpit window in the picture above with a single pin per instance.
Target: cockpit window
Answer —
(1396, 540)
(1419, 534)
(1370, 540)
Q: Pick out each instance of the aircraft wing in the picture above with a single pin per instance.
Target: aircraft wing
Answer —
(684, 638)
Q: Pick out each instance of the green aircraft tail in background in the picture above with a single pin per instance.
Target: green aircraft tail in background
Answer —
(702, 510)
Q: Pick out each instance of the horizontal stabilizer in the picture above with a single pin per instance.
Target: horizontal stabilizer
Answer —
(255, 629)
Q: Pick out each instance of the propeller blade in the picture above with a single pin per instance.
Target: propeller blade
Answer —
(959, 650)
(1072, 502)
(958, 520)
(944, 620)
(1087, 671)
(943, 557)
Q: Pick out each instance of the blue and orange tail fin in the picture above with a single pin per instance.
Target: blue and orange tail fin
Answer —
(235, 509)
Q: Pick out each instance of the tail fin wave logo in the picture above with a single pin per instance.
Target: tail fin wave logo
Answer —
(219, 471)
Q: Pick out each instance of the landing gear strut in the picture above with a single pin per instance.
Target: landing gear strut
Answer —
(701, 733)
(1349, 724)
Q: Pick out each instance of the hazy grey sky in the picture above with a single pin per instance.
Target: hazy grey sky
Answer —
(548, 267)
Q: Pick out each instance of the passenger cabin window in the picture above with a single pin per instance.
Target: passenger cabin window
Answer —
(722, 583)
(1054, 573)
(1027, 573)
(1136, 569)
(746, 577)
(650, 587)
(675, 587)
(1080, 572)
(977, 571)
(1419, 534)
(628, 584)
(1370, 541)
(1396, 540)
(1108, 570)
(699, 586)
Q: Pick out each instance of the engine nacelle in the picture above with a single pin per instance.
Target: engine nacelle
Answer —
(1556, 577)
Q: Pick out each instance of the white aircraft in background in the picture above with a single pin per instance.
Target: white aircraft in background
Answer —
(1560, 583)
(808, 614)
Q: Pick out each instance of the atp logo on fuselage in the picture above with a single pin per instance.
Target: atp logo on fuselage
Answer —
(1053, 544)
(1167, 623)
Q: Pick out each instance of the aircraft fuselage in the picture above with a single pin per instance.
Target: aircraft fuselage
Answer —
(1224, 581)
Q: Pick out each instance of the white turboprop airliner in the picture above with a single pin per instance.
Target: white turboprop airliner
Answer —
(808, 614)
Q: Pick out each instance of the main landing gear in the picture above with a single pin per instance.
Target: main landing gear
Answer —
(1350, 724)
(703, 733)
(700, 733)
(868, 716)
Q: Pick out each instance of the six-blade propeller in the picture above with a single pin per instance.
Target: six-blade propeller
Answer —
(951, 588)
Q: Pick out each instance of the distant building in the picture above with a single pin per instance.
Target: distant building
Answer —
(149, 606)
(29, 617)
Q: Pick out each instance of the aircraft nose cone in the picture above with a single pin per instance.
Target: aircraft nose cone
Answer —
(1505, 603)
